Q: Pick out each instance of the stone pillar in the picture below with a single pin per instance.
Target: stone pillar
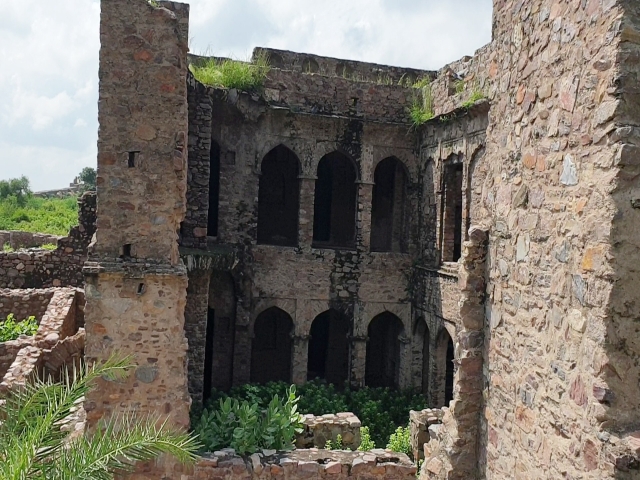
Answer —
(305, 220)
(404, 375)
(300, 358)
(136, 283)
(358, 350)
(363, 220)
(242, 348)
(195, 328)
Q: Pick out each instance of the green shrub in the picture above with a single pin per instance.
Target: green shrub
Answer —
(383, 410)
(17, 188)
(247, 427)
(7, 248)
(337, 445)
(228, 73)
(49, 246)
(421, 110)
(55, 216)
(400, 441)
(10, 329)
(366, 444)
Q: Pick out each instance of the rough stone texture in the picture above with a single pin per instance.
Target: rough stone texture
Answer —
(39, 268)
(18, 240)
(296, 465)
(58, 342)
(135, 280)
(319, 429)
(419, 423)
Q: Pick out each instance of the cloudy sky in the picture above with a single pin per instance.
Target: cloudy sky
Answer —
(49, 59)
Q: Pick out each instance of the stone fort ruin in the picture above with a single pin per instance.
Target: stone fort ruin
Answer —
(487, 257)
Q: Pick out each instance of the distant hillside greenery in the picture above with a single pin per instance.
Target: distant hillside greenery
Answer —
(20, 210)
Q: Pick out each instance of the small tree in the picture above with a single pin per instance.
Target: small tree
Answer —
(88, 178)
(16, 187)
(33, 445)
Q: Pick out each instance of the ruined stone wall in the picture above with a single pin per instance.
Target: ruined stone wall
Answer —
(16, 239)
(136, 283)
(317, 430)
(40, 268)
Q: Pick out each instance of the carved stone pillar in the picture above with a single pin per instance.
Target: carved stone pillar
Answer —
(300, 357)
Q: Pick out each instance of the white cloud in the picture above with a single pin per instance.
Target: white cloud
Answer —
(49, 59)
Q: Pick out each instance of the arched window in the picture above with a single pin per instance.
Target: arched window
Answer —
(271, 347)
(278, 198)
(214, 190)
(452, 210)
(383, 351)
(334, 220)
(388, 210)
(329, 348)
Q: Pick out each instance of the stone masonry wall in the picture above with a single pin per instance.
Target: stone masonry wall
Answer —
(40, 268)
(319, 429)
(16, 239)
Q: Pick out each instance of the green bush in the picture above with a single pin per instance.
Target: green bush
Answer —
(55, 216)
(10, 329)
(400, 441)
(337, 445)
(383, 410)
(228, 73)
(366, 444)
(247, 427)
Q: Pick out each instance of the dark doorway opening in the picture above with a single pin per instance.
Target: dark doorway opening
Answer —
(222, 310)
(278, 198)
(214, 190)
(383, 351)
(271, 347)
(334, 222)
(450, 372)
(388, 212)
(452, 213)
(208, 355)
(329, 348)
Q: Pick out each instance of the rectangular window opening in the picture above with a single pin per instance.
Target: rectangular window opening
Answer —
(126, 251)
(132, 159)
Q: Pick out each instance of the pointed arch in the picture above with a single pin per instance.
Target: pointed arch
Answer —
(279, 198)
(328, 357)
(383, 351)
(389, 212)
(271, 347)
(334, 220)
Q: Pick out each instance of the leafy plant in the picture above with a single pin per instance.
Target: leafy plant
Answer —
(366, 444)
(459, 86)
(226, 73)
(41, 215)
(421, 110)
(7, 248)
(400, 441)
(33, 445)
(88, 175)
(246, 427)
(476, 95)
(17, 188)
(337, 445)
(10, 329)
(49, 246)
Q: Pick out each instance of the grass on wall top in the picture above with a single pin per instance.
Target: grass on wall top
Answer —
(54, 216)
(246, 76)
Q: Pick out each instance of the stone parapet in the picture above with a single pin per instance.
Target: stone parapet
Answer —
(319, 429)
(419, 423)
(19, 240)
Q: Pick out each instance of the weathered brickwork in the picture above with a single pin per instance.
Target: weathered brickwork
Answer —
(39, 268)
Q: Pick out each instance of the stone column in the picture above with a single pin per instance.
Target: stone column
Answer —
(305, 219)
(363, 220)
(404, 376)
(195, 328)
(358, 360)
(300, 358)
(242, 348)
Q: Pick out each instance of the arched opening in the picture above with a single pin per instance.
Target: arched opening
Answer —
(214, 190)
(452, 211)
(383, 351)
(329, 348)
(388, 211)
(334, 220)
(278, 198)
(220, 334)
(445, 369)
(271, 347)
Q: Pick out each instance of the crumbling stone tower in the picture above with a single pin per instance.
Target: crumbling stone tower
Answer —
(135, 281)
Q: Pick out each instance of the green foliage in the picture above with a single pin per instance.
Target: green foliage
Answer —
(476, 95)
(10, 329)
(246, 76)
(7, 248)
(17, 188)
(40, 215)
(49, 246)
(34, 447)
(381, 409)
(459, 86)
(366, 444)
(421, 110)
(88, 178)
(400, 441)
(337, 445)
(246, 427)
(419, 465)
